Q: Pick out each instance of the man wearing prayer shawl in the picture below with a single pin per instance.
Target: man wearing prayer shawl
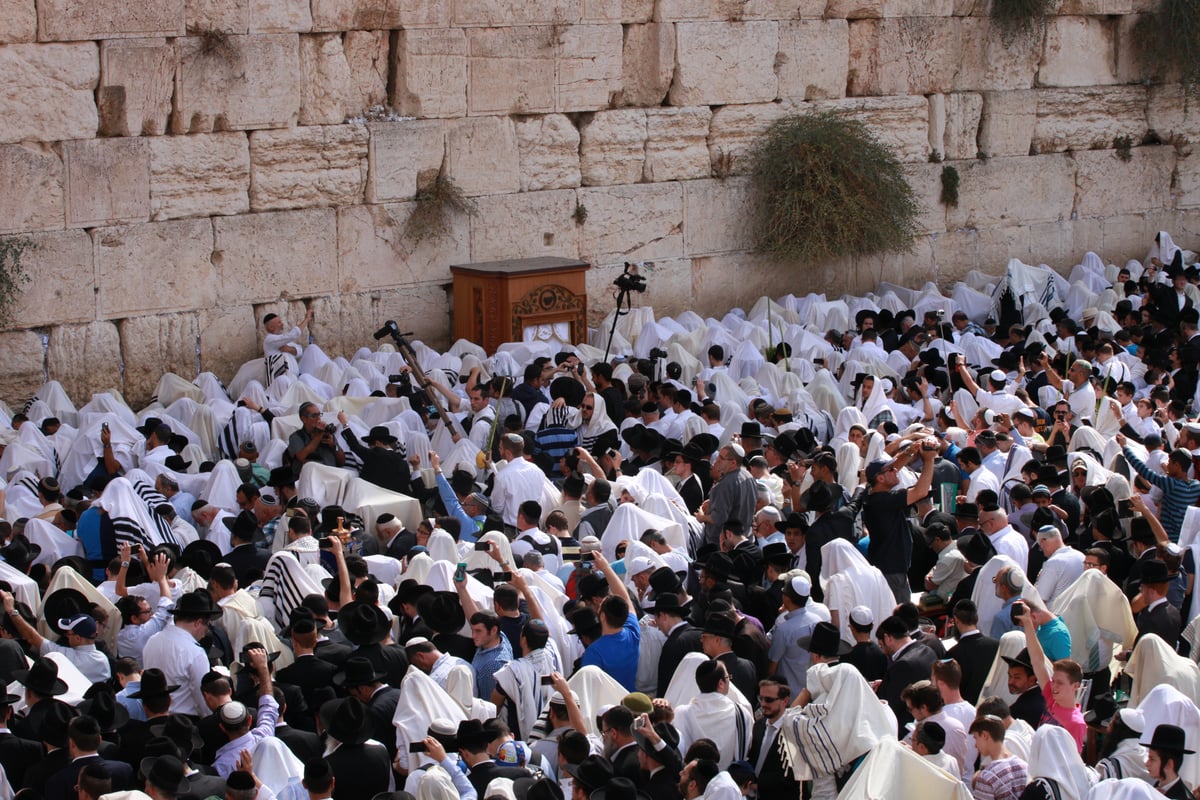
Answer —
(519, 684)
(713, 715)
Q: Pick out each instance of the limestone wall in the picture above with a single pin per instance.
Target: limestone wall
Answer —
(187, 165)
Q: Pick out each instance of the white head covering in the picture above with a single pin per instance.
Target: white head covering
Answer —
(996, 682)
(1124, 789)
(849, 580)
(1166, 705)
(1054, 756)
(421, 701)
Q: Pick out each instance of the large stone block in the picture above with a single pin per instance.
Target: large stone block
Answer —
(207, 174)
(612, 147)
(668, 289)
(68, 20)
(1188, 182)
(1106, 185)
(1007, 123)
(244, 83)
(909, 56)
(717, 63)
(108, 181)
(314, 165)
(1171, 112)
(737, 10)
(601, 11)
(955, 118)
(137, 79)
(328, 95)
(427, 306)
(151, 346)
(901, 123)
(487, 13)
(525, 225)
(481, 155)
(632, 223)
(1097, 8)
(371, 15)
(854, 9)
(400, 154)
(1132, 65)
(280, 16)
(227, 339)
(588, 66)
(262, 257)
(367, 58)
(512, 70)
(158, 266)
(48, 92)
(738, 280)
(431, 73)
(18, 21)
(677, 144)
(813, 59)
(990, 61)
(635, 11)
(373, 252)
(23, 364)
(717, 217)
(37, 171)
(229, 16)
(64, 288)
(1013, 191)
(647, 64)
(1079, 51)
(735, 130)
(917, 8)
(1083, 119)
(926, 182)
(548, 147)
(85, 359)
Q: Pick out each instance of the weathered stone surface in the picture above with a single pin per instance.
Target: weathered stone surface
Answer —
(1082, 119)
(157, 266)
(647, 64)
(230, 16)
(1007, 123)
(548, 147)
(1106, 185)
(18, 21)
(486, 13)
(345, 15)
(151, 346)
(668, 289)
(635, 11)
(612, 147)
(261, 257)
(400, 153)
(328, 94)
(431, 73)
(137, 79)
(367, 57)
(587, 66)
(960, 133)
(737, 10)
(525, 225)
(813, 59)
(38, 204)
(1013, 191)
(108, 181)
(1079, 51)
(498, 56)
(854, 9)
(64, 289)
(991, 62)
(203, 175)
(426, 306)
(481, 155)
(632, 223)
(719, 63)
(918, 55)
(1188, 186)
(737, 280)
(227, 339)
(23, 364)
(314, 165)
(47, 94)
(926, 181)
(717, 217)
(280, 16)
(735, 130)
(249, 82)
(85, 358)
(1132, 65)
(601, 11)
(677, 144)
(66, 20)
(917, 8)
(899, 122)
(373, 252)
(1170, 112)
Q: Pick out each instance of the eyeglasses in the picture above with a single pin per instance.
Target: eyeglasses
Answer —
(762, 698)
(588, 408)
(311, 414)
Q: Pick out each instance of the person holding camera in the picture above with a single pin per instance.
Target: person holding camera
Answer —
(314, 441)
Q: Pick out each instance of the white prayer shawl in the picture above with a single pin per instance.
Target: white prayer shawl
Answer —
(285, 584)
(1127, 761)
(1095, 611)
(24, 588)
(77, 683)
(221, 490)
(125, 502)
(1189, 537)
(22, 496)
(370, 501)
(629, 522)
(595, 689)
(1124, 789)
(421, 701)
(984, 593)
(243, 425)
(276, 765)
(86, 451)
(67, 578)
(683, 688)
(996, 682)
(196, 422)
(520, 679)
(715, 716)
(244, 623)
(436, 784)
(849, 464)
(477, 559)
(890, 766)
(849, 580)
(843, 721)
(1155, 664)
(599, 424)
(54, 543)
(1055, 757)
(1165, 705)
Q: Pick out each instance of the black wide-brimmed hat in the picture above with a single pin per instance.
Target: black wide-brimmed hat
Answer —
(357, 671)
(20, 553)
(154, 684)
(180, 729)
(104, 708)
(591, 773)
(793, 520)
(167, 773)
(380, 433)
(346, 720)
(442, 611)
(664, 580)
(718, 624)
(197, 603)
(201, 555)
(64, 604)
(639, 437)
(42, 678)
(1022, 659)
(363, 623)
(585, 622)
(669, 604)
(1170, 738)
(825, 640)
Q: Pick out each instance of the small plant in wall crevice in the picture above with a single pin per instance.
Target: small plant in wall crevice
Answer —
(436, 204)
(950, 180)
(12, 272)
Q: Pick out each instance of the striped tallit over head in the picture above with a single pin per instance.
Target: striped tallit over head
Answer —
(285, 584)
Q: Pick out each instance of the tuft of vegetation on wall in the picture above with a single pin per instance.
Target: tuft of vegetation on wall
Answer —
(1020, 16)
(1167, 42)
(12, 273)
(950, 180)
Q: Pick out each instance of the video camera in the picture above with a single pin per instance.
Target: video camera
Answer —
(630, 280)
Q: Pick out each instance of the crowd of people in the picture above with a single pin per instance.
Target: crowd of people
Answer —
(942, 544)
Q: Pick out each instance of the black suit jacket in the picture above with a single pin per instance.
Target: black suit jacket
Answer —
(17, 755)
(742, 674)
(247, 559)
(911, 665)
(306, 745)
(389, 660)
(398, 548)
(202, 787)
(482, 774)
(30, 725)
(868, 659)
(625, 765)
(41, 772)
(1030, 706)
(61, 785)
(975, 654)
(1164, 621)
(664, 785)
(308, 673)
(681, 641)
(773, 781)
(359, 770)
(380, 710)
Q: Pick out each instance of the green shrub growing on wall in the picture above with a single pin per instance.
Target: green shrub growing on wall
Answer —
(436, 204)
(950, 180)
(1019, 16)
(825, 187)
(1167, 42)
(12, 272)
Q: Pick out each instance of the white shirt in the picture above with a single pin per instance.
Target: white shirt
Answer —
(524, 544)
(183, 662)
(131, 640)
(1060, 571)
(90, 661)
(519, 481)
(1012, 544)
(994, 463)
(981, 479)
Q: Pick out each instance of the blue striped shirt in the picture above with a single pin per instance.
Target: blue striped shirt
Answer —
(1177, 495)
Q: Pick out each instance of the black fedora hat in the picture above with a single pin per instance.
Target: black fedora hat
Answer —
(244, 656)
(19, 553)
(1022, 659)
(639, 437)
(153, 684)
(664, 581)
(976, 548)
(64, 604)
(591, 773)
(167, 773)
(585, 622)
(200, 556)
(719, 566)
(149, 426)
(820, 496)
(176, 463)
(472, 732)
(1155, 571)
(379, 433)
(720, 625)
(1170, 738)
(53, 730)
(363, 623)
(669, 604)
(409, 591)
(1103, 709)
(346, 720)
(180, 729)
(825, 640)
(1056, 455)
(619, 789)
(42, 678)
(197, 603)
(281, 477)
(777, 553)
(357, 671)
(751, 430)
(104, 708)
(243, 525)
(793, 520)
(442, 611)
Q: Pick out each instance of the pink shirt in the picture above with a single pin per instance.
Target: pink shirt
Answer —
(1071, 719)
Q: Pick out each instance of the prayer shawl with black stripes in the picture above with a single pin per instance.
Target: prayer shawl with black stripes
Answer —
(285, 584)
(129, 502)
